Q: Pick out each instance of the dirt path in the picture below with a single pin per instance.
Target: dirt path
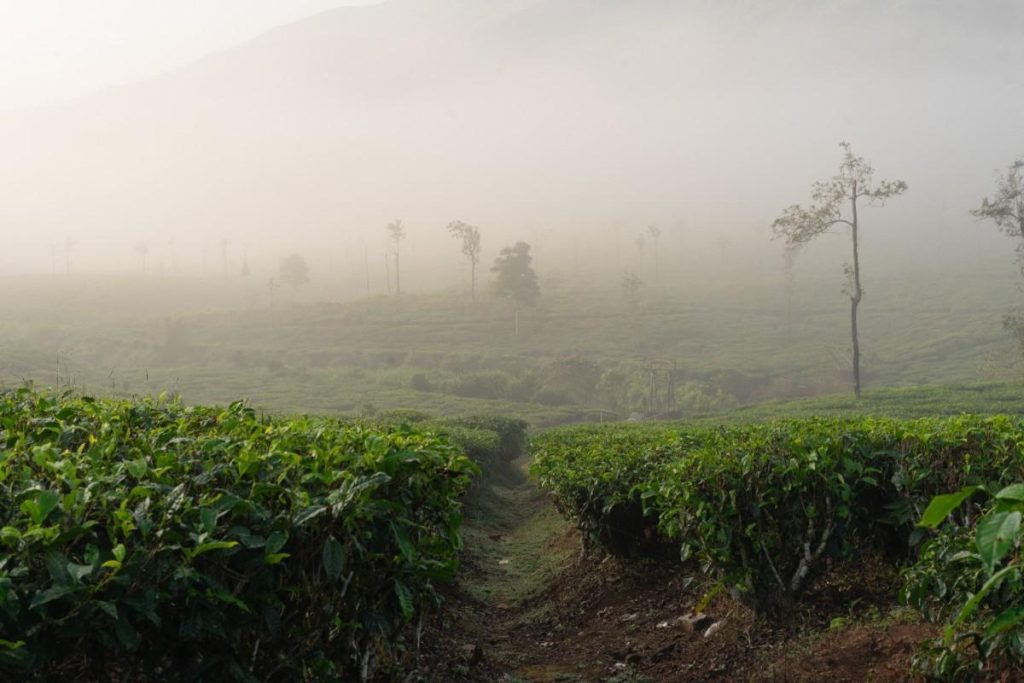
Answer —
(526, 609)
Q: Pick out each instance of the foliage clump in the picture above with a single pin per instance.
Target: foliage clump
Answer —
(970, 575)
(148, 540)
(766, 507)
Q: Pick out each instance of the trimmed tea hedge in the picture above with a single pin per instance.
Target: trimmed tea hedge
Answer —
(762, 506)
(144, 540)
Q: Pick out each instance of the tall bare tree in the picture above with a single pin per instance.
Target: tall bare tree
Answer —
(396, 233)
(470, 237)
(835, 203)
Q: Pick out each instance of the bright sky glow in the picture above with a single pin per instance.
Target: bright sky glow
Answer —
(52, 50)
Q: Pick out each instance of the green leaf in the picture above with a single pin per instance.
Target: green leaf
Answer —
(119, 552)
(997, 533)
(230, 599)
(1012, 492)
(10, 535)
(404, 544)
(276, 558)
(275, 542)
(108, 608)
(306, 514)
(405, 600)
(137, 468)
(210, 547)
(247, 538)
(56, 567)
(79, 571)
(333, 557)
(208, 518)
(941, 506)
(40, 507)
(971, 606)
(1005, 621)
(52, 593)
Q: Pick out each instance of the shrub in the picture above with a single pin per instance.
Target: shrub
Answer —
(482, 384)
(970, 575)
(764, 506)
(150, 540)
(420, 382)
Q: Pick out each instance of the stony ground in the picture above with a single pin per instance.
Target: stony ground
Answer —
(529, 608)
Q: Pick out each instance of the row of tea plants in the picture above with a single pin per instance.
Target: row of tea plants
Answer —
(766, 508)
(146, 540)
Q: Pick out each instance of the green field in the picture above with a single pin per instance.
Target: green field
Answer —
(582, 354)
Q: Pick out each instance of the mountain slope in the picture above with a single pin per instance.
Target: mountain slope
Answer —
(563, 112)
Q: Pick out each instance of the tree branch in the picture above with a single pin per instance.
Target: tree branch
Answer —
(810, 557)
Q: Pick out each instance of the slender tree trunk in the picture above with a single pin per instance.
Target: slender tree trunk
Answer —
(472, 279)
(855, 296)
(517, 321)
(398, 275)
(387, 271)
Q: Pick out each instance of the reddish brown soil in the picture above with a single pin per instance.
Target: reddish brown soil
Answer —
(855, 654)
(618, 620)
(610, 619)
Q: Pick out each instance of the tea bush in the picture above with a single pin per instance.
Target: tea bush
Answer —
(145, 540)
(763, 506)
(970, 575)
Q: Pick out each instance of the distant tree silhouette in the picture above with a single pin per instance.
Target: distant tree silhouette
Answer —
(655, 233)
(396, 233)
(141, 250)
(1006, 207)
(631, 284)
(470, 237)
(799, 225)
(515, 279)
(293, 270)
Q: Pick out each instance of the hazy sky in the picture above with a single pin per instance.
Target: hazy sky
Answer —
(574, 124)
(55, 49)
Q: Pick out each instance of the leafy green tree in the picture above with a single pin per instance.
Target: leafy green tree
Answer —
(515, 279)
(470, 237)
(835, 202)
(293, 270)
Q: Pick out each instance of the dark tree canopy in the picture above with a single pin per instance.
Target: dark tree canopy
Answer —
(515, 278)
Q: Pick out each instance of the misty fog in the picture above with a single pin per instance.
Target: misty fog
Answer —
(582, 121)
(508, 340)
(654, 140)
